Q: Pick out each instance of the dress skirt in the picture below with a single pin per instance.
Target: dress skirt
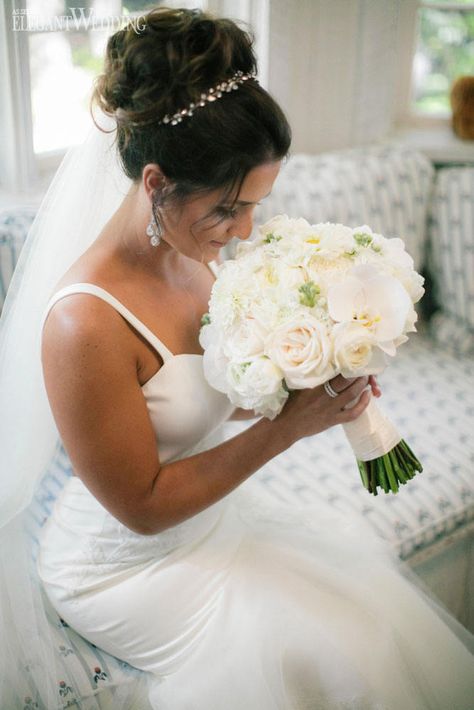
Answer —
(252, 605)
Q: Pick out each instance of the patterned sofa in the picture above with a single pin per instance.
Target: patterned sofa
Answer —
(428, 391)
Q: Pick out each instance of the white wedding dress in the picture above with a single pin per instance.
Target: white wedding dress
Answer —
(247, 605)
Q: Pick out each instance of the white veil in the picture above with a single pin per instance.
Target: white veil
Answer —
(87, 188)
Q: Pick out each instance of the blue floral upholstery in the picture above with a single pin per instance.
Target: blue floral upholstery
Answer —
(14, 226)
(452, 259)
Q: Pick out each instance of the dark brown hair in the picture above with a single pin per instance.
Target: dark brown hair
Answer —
(161, 64)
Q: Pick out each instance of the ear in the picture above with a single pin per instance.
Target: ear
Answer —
(154, 180)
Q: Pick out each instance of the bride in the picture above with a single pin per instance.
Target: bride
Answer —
(154, 552)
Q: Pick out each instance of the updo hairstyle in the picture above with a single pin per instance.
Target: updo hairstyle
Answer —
(162, 64)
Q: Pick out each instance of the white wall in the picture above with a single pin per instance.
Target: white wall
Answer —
(332, 64)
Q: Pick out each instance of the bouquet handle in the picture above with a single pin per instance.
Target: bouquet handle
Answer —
(372, 434)
(383, 457)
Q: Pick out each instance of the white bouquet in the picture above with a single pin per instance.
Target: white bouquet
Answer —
(303, 303)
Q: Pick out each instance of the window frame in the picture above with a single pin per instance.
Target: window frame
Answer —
(23, 170)
(406, 116)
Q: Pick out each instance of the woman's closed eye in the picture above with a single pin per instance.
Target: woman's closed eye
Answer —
(232, 212)
(226, 212)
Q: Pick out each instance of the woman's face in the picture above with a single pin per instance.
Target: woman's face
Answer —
(205, 224)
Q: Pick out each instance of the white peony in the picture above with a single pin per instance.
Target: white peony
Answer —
(331, 240)
(257, 385)
(284, 226)
(248, 339)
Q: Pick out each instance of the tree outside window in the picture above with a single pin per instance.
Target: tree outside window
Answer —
(445, 51)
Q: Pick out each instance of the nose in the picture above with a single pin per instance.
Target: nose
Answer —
(241, 226)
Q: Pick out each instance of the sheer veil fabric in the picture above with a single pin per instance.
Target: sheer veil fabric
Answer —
(85, 191)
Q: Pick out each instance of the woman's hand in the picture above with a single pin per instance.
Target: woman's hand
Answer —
(375, 389)
(310, 411)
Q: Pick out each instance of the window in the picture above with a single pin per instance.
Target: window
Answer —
(52, 51)
(444, 51)
(67, 58)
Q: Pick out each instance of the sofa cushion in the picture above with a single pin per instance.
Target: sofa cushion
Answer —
(426, 393)
(386, 188)
(14, 226)
(451, 229)
(87, 676)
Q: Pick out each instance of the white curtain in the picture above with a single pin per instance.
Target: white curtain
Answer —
(333, 66)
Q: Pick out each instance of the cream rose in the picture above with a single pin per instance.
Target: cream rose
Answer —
(356, 351)
(301, 348)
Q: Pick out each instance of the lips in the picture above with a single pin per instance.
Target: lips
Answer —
(216, 244)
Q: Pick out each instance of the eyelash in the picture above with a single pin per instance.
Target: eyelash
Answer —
(227, 213)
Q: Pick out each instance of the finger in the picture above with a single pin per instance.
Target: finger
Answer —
(349, 415)
(352, 393)
(376, 391)
(340, 383)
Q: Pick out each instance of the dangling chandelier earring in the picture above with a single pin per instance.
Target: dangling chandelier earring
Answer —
(154, 229)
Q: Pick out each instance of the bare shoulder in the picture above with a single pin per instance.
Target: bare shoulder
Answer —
(77, 323)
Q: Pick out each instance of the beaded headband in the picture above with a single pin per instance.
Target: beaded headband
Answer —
(231, 84)
(213, 94)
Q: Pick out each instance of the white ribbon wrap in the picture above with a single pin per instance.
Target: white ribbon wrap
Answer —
(372, 434)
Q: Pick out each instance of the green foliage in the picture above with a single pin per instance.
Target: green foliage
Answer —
(446, 42)
(271, 238)
(308, 294)
(82, 57)
(362, 239)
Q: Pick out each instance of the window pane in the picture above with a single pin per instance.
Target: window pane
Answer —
(44, 11)
(445, 51)
(63, 64)
(449, 2)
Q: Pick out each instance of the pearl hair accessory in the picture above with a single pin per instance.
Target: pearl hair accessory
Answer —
(217, 92)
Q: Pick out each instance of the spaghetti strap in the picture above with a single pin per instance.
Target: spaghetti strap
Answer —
(214, 267)
(100, 292)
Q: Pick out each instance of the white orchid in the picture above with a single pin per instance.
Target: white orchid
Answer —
(379, 303)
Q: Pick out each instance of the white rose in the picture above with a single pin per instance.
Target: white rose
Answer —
(302, 349)
(356, 351)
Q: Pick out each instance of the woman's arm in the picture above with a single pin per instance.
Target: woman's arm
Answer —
(240, 414)
(91, 378)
